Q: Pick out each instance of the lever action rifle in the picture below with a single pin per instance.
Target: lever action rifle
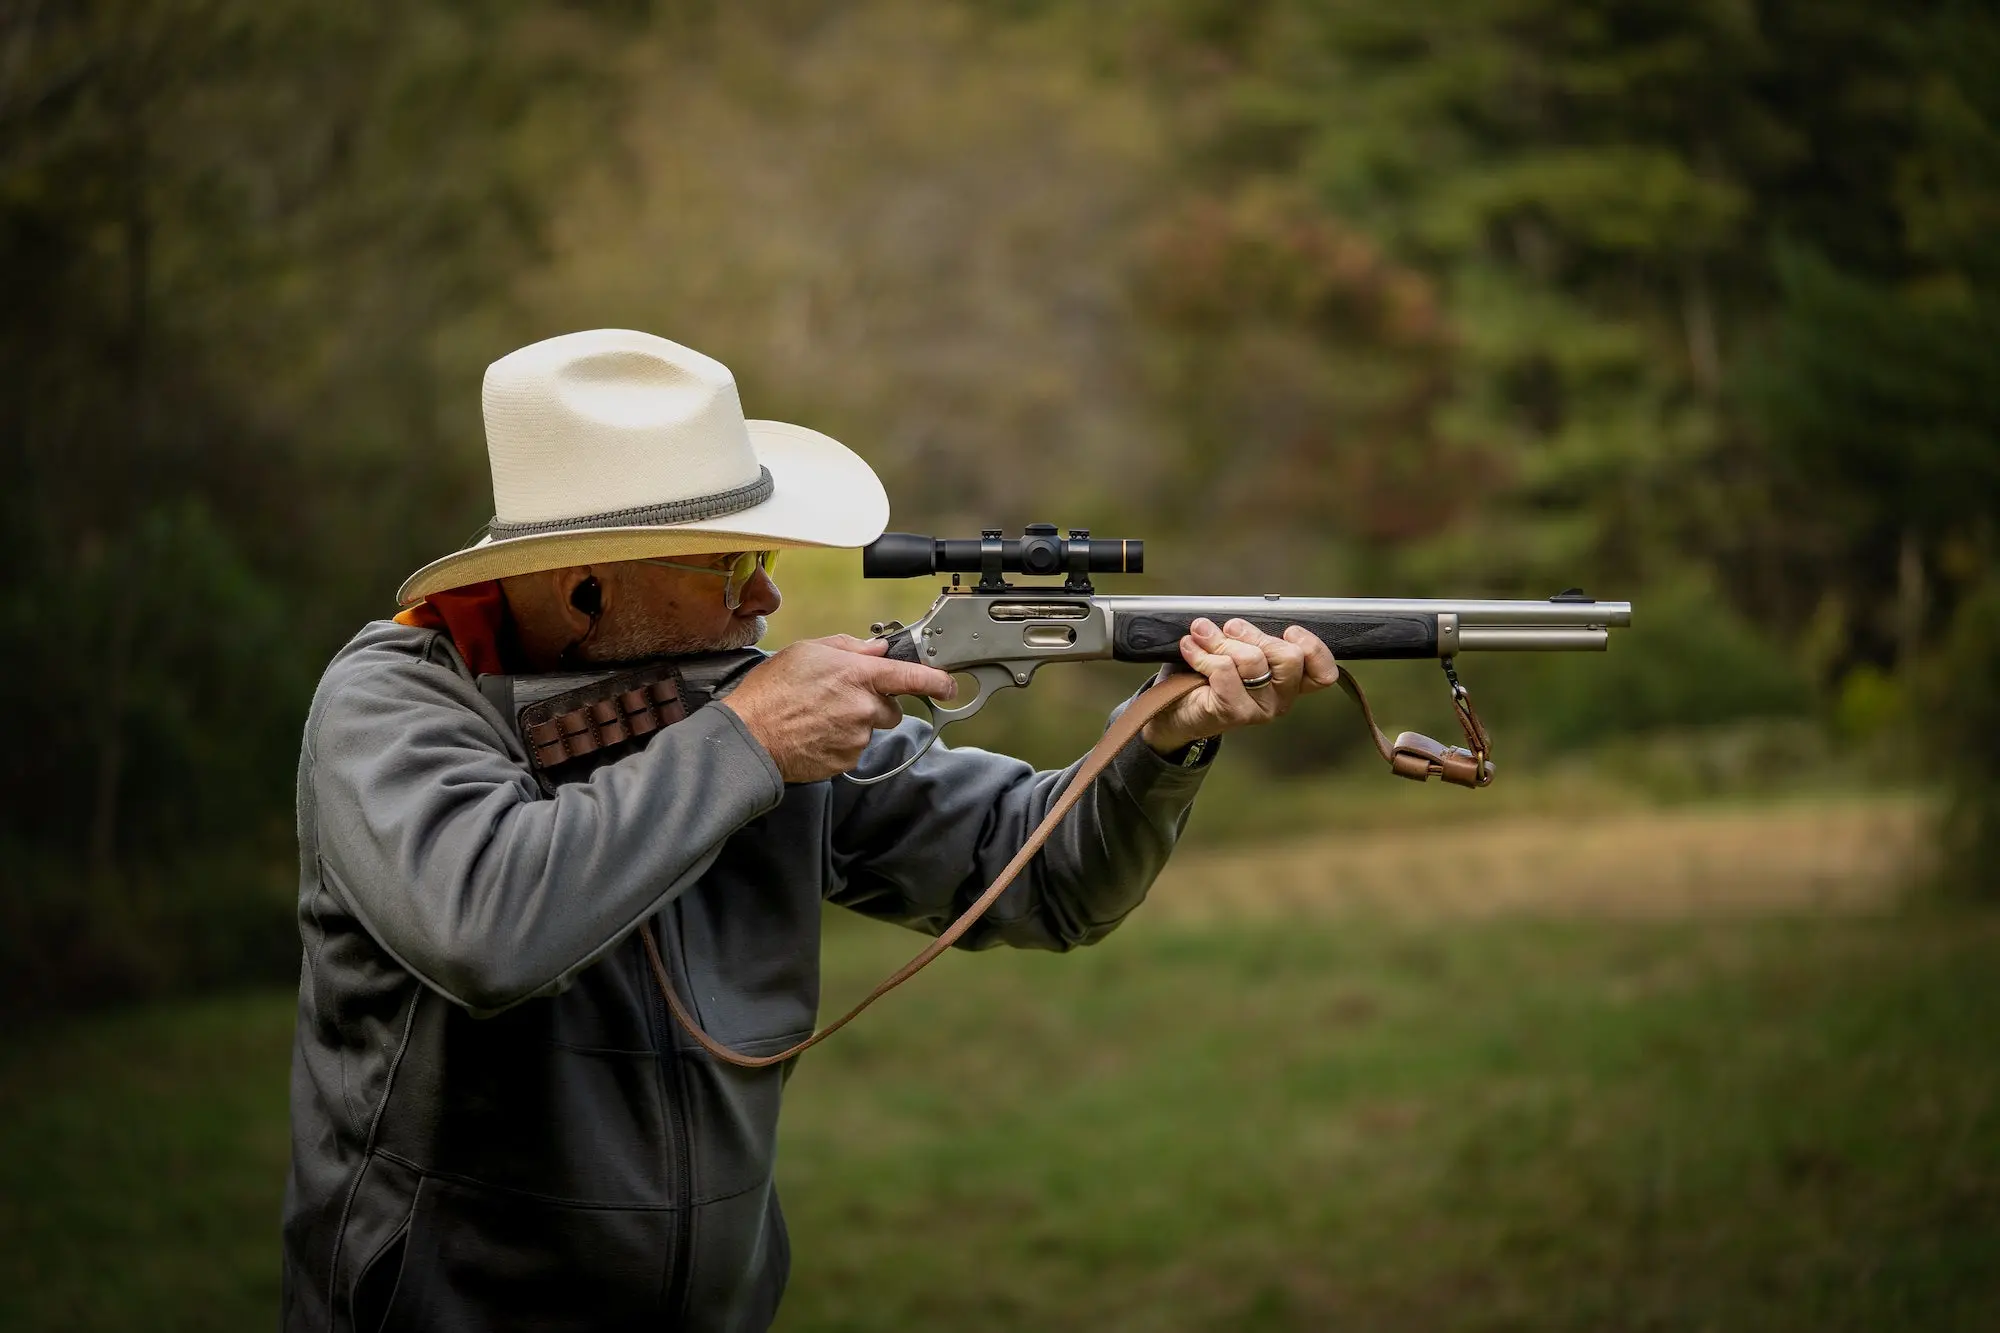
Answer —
(1001, 634)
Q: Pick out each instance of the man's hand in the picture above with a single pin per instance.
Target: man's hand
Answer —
(1298, 663)
(814, 705)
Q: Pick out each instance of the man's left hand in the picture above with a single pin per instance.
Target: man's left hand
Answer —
(1297, 663)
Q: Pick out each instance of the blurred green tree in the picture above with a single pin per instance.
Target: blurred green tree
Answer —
(234, 239)
(1697, 302)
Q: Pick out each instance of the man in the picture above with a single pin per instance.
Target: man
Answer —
(494, 1122)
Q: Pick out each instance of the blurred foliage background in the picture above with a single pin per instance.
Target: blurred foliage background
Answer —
(1695, 304)
(1691, 304)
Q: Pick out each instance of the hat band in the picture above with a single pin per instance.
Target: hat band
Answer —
(645, 516)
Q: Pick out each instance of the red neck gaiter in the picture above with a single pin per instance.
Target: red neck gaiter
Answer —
(474, 616)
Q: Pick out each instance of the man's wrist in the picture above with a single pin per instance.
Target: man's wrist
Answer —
(1194, 754)
(1161, 739)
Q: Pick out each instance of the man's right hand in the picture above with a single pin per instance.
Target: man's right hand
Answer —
(815, 705)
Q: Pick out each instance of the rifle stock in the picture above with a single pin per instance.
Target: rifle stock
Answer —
(1149, 634)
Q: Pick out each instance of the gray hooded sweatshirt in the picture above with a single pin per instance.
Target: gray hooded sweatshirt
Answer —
(495, 1124)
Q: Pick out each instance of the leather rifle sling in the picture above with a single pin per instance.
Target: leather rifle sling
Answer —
(1418, 757)
(1409, 755)
(1147, 705)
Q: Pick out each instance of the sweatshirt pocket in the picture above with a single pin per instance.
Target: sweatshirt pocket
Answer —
(371, 1243)
(375, 1289)
(481, 1258)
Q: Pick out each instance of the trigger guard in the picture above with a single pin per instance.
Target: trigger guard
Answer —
(992, 679)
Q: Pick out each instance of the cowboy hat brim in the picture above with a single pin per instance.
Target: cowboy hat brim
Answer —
(822, 494)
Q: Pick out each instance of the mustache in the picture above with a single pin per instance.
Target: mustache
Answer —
(646, 639)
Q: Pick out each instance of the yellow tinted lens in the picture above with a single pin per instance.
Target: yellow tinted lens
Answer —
(741, 571)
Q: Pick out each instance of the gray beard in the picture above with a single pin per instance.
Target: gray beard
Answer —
(649, 639)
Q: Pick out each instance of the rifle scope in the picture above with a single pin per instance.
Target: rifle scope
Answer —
(1038, 551)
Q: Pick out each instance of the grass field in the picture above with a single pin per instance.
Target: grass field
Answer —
(1275, 1112)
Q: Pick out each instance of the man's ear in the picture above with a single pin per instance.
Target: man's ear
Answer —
(579, 598)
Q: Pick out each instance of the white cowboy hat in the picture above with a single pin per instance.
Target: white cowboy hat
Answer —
(615, 445)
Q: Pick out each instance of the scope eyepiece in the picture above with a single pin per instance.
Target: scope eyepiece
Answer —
(1038, 551)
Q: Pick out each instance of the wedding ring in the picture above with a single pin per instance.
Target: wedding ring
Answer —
(1258, 682)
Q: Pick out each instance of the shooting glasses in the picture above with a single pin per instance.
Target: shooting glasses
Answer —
(739, 570)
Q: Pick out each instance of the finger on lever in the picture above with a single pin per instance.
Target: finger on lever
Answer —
(887, 716)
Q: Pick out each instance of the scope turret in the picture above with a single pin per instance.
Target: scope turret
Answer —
(1038, 551)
